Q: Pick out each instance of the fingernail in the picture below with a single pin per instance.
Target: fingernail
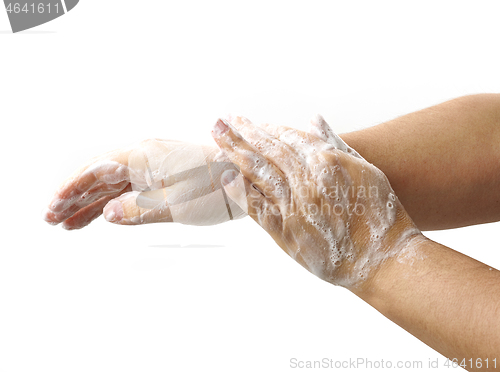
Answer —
(58, 205)
(220, 128)
(113, 212)
(228, 176)
(68, 227)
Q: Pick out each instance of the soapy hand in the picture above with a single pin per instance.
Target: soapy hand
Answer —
(328, 208)
(153, 181)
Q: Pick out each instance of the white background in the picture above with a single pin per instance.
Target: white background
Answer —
(106, 298)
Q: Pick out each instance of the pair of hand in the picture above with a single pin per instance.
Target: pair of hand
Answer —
(328, 208)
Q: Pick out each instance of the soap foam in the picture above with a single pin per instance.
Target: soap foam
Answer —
(328, 244)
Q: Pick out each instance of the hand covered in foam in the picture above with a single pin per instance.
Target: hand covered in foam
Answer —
(328, 208)
(153, 181)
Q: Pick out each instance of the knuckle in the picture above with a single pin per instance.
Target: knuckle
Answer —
(332, 156)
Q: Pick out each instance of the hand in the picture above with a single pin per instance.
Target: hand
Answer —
(328, 208)
(153, 181)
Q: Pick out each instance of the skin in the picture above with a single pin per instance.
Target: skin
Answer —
(446, 299)
(443, 162)
(460, 319)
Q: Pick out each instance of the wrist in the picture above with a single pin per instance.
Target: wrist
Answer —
(399, 244)
(404, 250)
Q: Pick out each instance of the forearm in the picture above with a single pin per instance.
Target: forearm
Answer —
(443, 162)
(444, 298)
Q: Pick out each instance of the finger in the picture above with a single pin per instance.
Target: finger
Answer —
(295, 138)
(320, 128)
(275, 130)
(251, 201)
(281, 154)
(86, 199)
(258, 169)
(89, 213)
(103, 171)
(135, 208)
(126, 210)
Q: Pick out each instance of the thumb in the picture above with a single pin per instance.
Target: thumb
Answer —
(248, 198)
